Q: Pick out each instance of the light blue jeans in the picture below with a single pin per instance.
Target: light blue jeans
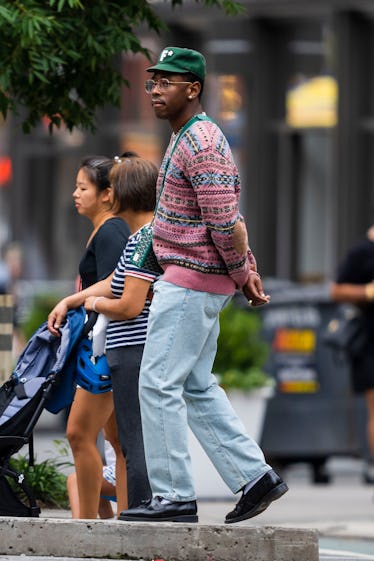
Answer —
(177, 387)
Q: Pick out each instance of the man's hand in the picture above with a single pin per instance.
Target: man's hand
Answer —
(254, 291)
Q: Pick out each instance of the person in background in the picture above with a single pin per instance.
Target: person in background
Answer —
(354, 284)
(200, 240)
(90, 413)
(125, 297)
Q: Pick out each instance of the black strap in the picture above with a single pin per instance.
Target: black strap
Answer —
(92, 318)
(19, 390)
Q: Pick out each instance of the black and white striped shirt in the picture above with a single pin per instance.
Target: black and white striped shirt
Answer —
(133, 331)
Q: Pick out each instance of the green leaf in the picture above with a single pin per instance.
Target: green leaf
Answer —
(41, 77)
(7, 15)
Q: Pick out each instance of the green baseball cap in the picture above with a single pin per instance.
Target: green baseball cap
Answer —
(180, 61)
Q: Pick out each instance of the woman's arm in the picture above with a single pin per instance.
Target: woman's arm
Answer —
(129, 306)
(57, 316)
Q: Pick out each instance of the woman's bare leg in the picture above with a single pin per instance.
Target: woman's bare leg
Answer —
(88, 415)
(110, 432)
(72, 488)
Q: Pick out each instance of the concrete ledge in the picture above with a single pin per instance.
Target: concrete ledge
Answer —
(172, 542)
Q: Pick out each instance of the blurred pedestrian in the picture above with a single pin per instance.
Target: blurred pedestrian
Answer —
(200, 240)
(90, 413)
(354, 284)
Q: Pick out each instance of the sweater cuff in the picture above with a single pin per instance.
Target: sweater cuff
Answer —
(240, 277)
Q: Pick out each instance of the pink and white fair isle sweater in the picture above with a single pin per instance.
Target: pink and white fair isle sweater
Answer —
(194, 225)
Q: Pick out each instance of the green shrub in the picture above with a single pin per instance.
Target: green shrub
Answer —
(42, 305)
(241, 352)
(46, 480)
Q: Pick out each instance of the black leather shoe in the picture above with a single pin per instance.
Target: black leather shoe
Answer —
(267, 489)
(155, 511)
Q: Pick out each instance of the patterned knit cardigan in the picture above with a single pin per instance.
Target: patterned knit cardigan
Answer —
(194, 226)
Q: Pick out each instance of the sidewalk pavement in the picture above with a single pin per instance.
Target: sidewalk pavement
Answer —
(344, 508)
(342, 511)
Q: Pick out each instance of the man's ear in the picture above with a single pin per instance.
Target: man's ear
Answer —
(194, 90)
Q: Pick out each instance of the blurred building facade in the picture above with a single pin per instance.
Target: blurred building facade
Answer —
(291, 84)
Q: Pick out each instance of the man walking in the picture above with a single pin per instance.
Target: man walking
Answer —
(201, 243)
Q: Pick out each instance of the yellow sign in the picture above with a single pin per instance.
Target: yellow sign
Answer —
(299, 386)
(313, 103)
(288, 340)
